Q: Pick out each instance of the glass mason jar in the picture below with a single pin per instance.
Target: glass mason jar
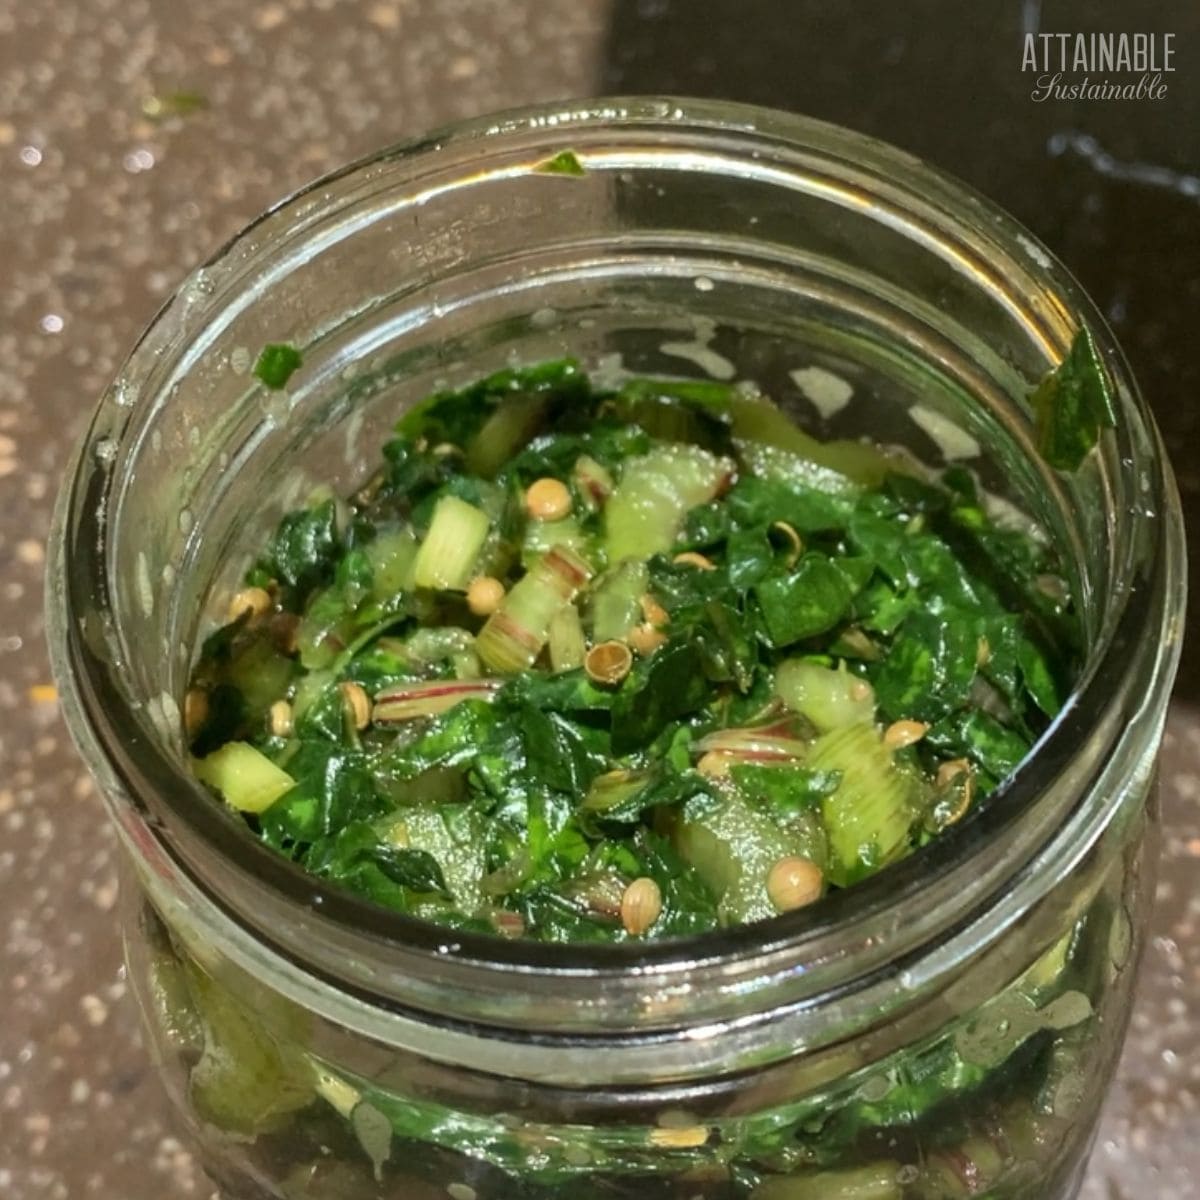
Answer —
(947, 1028)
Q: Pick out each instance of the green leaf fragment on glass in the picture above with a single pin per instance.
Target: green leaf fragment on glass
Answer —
(1073, 404)
(566, 162)
(276, 364)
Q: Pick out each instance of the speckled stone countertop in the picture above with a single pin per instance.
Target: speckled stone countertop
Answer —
(106, 202)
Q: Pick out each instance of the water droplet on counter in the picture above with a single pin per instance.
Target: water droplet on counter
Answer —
(702, 283)
(239, 360)
(137, 161)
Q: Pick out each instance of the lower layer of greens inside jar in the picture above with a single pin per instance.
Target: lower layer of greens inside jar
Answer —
(996, 1105)
(586, 663)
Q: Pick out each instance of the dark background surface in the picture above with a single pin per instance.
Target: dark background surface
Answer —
(104, 209)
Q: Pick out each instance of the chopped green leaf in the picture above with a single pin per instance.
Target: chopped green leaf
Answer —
(304, 552)
(810, 600)
(667, 685)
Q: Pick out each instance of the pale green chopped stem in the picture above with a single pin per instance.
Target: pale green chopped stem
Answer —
(405, 702)
(392, 555)
(340, 1095)
(870, 813)
(764, 746)
(829, 698)
(507, 431)
(466, 664)
(878, 1181)
(643, 515)
(758, 420)
(733, 849)
(615, 601)
(446, 559)
(516, 632)
(567, 643)
(541, 535)
(613, 788)
(245, 777)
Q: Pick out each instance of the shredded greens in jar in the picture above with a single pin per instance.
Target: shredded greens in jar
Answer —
(580, 664)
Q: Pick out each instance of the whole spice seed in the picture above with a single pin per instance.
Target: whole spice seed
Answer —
(357, 704)
(608, 662)
(508, 924)
(548, 499)
(983, 652)
(484, 594)
(645, 639)
(654, 612)
(279, 717)
(254, 600)
(714, 764)
(691, 1137)
(951, 770)
(689, 558)
(904, 733)
(794, 882)
(957, 773)
(641, 906)
(793, 540)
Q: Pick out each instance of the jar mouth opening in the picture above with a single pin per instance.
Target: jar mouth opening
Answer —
(169, 800)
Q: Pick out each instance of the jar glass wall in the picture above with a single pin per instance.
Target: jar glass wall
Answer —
(944, 1029)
